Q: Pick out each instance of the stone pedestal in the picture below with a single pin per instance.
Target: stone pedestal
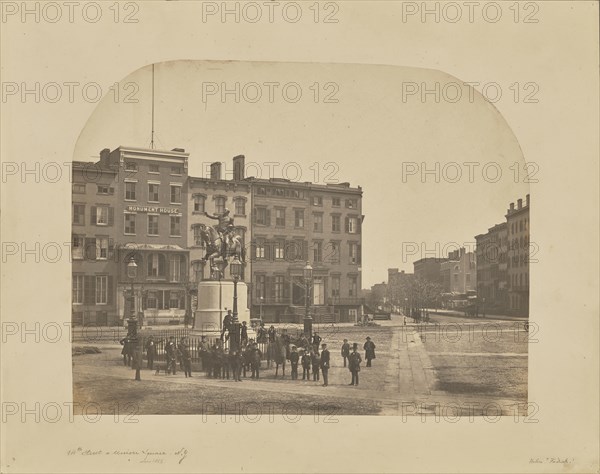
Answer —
(213, 299)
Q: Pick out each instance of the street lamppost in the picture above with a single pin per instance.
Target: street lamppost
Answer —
(235, 267)
(132, 322)
(308, 275)
(406, 306)
(262, 300)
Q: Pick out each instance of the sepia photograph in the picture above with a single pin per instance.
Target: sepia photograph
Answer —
(231, 230)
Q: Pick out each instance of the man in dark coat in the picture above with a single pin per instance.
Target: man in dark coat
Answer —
(272, 333)
(150, 352)
(171, 353)
(306, 365)
(325, 356)
(235, 361)
(369, 348)
(227, 320)
(294, 358)
(315, 358)
(255, 361)
(316, 341)
(354, 361)
(127, 351)
(244, 333)
(345, 351)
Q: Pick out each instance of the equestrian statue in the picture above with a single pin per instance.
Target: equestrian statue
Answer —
(221, 243)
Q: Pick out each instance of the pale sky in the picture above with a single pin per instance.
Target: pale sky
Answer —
(371, 134)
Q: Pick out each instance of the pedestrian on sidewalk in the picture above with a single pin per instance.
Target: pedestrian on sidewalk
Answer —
(369, 348)
(294, 357)
(325, 356)
(306, 365)
(171, 353)
(256, 358)
(235, 360)
(127, 351)
(315, 359)
(244, 333)
(150, 352)
(345, 351)
(354, 363)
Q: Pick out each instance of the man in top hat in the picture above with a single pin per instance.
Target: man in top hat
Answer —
(345, 351)
(354, 361)
(369, 348)
(170, 351)
(325, 364)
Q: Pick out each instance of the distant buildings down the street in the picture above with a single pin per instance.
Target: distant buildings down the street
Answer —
(495, 277)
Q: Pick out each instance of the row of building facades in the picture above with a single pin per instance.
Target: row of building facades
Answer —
(142, 204)
(497, 274)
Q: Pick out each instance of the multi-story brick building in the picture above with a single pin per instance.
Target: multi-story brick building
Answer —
(492, 279)
(298, 222)
(213, 195)
(517, 225)
(136, 210)
(429, 269)
(94, 233)
(459, 272)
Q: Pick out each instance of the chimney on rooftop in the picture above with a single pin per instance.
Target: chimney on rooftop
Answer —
(512, 207)
(527, 200)
(215, 170)
(238, 167)
(104, 155)
(519, 203)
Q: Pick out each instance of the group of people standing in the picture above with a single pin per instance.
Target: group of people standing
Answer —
(217, 362)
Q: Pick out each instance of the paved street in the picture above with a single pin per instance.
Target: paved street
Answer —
(446, 368)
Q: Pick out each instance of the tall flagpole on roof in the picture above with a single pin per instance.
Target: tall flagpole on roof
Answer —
(152, 135)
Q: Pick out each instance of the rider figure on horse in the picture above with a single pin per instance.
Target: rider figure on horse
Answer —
(224, 227)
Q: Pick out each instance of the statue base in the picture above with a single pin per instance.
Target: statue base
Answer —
(214, 299)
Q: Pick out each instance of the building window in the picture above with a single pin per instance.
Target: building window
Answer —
(175, 267)
(175, 300)
(318, 222)
(260, 287)
(280, 250)
(153, 195)
(299, 218)
(156, 265)
(352, 288)
(102, 215)
(279, 288)
(78, 289)
(78, 188)
(263, 216)
(240, 207)
(101, 248)
(131, 166)
(78, 245)
(175, 194)
(176, 170)
(101, 289)
(333, 255)
(220, 204)
(152, 225)
(105, 189)
(152, 300)
(318, 251)
(79, 214)
(197, 228)
(260, 249)
(351, 203)
(129, 191)
(335, 286)
(317, 201)
(318, 291)
(199, 203)
(354, 253)
(335, 202)
(336, 225)
(280, 216)
(153, 169)
(130, 224)
(351, 225)
(175, 226)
